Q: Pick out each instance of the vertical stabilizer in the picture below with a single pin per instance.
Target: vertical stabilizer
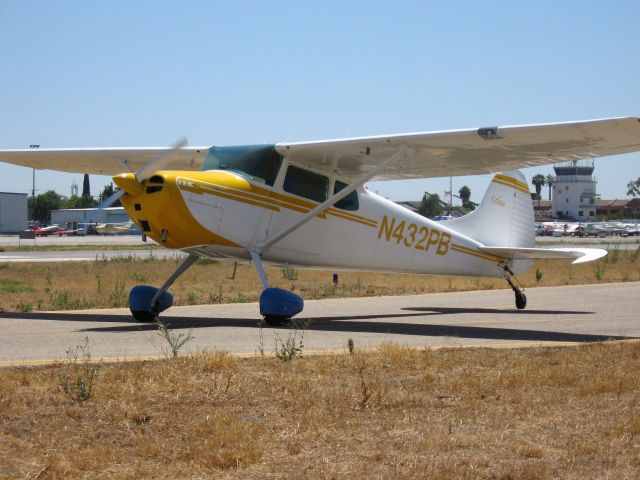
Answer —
(505, 216)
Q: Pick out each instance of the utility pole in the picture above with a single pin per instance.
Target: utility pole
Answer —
(33, 186)
(450, 195)
(33, 183)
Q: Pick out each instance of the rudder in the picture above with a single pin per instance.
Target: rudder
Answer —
(505, 215)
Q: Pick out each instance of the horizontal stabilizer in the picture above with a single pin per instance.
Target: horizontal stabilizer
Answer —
(581, 255)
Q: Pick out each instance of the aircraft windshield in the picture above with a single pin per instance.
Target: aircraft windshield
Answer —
(259, 163)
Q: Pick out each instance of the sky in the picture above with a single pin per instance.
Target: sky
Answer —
(146, 73)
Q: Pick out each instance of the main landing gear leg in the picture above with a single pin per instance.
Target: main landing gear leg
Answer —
(521, 298)
(147, 302)
(276, 305)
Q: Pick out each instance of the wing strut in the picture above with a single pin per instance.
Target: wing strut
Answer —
(358, 182)
(255, 256)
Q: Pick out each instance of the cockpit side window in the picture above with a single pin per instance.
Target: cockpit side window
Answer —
(259, 163)
(306, 184)
(350, 202)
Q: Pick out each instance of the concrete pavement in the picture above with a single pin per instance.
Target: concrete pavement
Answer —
(554, 315)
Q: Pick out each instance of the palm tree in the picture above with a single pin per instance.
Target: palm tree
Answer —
(539, 181)
(465, 195)
(551, 181)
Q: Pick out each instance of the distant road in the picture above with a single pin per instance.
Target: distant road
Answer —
(87, 255)
(13, 240)
(554, 316)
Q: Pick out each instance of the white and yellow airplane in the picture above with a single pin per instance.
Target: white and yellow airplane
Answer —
(306, 204)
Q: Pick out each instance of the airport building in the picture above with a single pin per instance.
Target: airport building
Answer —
(574, 191)
(71, 216)
(13, 212)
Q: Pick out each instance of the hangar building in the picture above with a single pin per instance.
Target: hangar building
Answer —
(13, 212)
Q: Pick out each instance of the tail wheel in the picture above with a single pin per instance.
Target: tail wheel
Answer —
(521, 300)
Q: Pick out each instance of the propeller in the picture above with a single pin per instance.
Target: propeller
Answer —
(146, 172)
(110, 200)
(160, 161)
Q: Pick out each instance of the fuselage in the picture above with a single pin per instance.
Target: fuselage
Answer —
(226, 213)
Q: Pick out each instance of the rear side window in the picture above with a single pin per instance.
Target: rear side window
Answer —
(306, 184)
(350, 202)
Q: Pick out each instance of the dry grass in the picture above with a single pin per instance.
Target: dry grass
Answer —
(394, 413)
(106, 283)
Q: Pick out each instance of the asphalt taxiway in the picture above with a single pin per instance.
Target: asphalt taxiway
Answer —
(554, 316)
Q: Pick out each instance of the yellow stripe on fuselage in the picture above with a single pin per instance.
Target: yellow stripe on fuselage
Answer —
(476, 253)
(227, 193)
(260, 197)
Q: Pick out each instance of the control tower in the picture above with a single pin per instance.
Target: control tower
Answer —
(574, 193)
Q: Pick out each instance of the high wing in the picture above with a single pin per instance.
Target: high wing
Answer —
(103, 161)
(429, 154)
(469, 152)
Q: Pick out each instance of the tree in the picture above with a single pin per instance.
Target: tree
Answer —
(551, 181)
(79, 202)
(538, 180)
(431, 206)
(634, 187)
(465, 195)
(86, 189)
(107, 191)
(41, 205)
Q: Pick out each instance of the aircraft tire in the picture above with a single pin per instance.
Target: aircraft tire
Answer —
(144, 316)
(521, 301)
(276, 320)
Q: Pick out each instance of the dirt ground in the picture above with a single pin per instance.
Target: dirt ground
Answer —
(542, 413)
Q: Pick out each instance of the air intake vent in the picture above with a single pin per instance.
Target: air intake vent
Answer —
(144, 224)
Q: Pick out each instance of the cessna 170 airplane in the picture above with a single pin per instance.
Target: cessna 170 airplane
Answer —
(305, 204)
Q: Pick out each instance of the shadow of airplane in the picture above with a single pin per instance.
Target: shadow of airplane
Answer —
(351, 323)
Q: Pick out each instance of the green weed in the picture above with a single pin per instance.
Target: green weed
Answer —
(77, 373)
(290, 274)
(216, 297)
(8, 285)
(238, 298)
(63, 300)
(599, 272)
(206, 261)
(192, 298)
(118, 297)
(25, 306)
(138, 277)
(291, 347)
(261, 325)
(175, 342)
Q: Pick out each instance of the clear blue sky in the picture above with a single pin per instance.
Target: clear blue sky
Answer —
(144, 73)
